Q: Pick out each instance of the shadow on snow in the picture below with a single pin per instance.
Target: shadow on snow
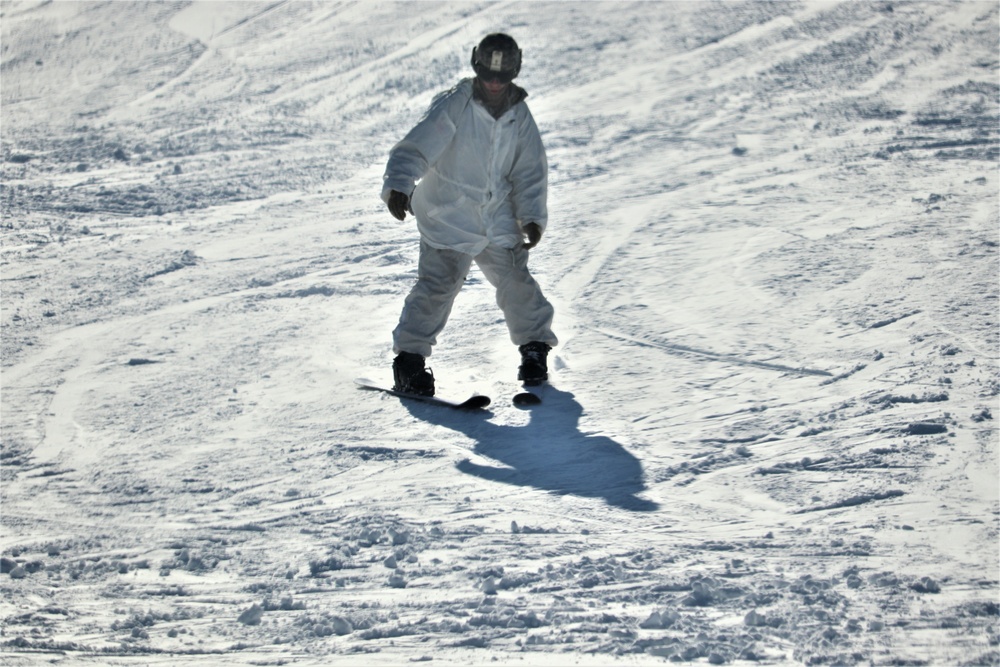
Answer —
(549, 452)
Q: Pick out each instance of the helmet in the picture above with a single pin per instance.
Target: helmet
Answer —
(497, 58)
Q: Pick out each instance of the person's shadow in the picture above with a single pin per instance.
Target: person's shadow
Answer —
(549, 452)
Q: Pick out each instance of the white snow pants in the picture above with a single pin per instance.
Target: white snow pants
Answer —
(440, 276)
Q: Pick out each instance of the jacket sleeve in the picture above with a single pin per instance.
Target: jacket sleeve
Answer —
(410, 159)
(529, 175)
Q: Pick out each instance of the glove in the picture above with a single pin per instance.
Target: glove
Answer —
(534, 234)
(399, 204)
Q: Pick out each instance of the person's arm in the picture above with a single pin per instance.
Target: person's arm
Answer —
(420, 148)
(529, 181)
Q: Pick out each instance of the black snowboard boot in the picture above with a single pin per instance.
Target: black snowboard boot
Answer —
(410, 375)
(534, 370)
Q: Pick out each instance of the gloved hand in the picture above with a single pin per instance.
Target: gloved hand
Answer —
(534, 234)
(399, 204)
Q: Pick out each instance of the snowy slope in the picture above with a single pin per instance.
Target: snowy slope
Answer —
(770, 436)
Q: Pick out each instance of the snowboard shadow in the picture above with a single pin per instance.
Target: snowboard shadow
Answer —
(550, 452)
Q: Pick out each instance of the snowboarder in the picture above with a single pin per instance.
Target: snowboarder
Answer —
(473, 172)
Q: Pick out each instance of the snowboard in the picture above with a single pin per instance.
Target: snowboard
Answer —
(476, 402)
(526, 399)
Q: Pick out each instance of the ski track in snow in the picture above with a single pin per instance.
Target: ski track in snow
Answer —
(770, 436)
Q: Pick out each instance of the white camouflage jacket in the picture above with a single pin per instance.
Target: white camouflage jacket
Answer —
(473, 179)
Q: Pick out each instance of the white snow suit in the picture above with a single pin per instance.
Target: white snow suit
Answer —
(473, 180)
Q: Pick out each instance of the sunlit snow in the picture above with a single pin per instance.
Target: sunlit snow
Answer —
(770, 435)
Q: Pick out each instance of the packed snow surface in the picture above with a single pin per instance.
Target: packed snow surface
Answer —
(770, 435)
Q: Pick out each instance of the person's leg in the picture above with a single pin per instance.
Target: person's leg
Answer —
(526, 310)
(440, 276)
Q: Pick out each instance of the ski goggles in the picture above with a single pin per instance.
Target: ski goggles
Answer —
(501, 67)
